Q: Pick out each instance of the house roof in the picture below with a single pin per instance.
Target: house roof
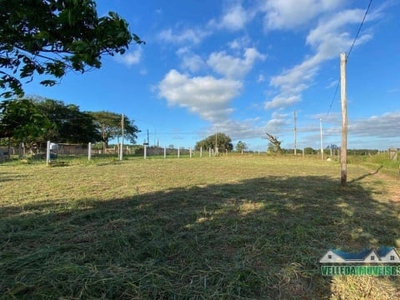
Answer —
(362, 255)
(383, 251)
(352, 256)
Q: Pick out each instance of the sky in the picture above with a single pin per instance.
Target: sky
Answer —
(247, 68)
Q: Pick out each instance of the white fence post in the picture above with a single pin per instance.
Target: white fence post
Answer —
(190, 152)
(179, 152)
(89, 154)
(48, 153)
(201, 151)
(165, 152)
(145, 152)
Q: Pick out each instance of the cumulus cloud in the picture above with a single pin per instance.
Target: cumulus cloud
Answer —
(240, 130)
(328, 40)
(190, 60)
(290, 14)
(282, 101)
(277, 122)
(375, 132)
(206, 96)
(386, 125)
(192, 36)
(239, 43)
(130, 58)
(234, 67)
(234, 18)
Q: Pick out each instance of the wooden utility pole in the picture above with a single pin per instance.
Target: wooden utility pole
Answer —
(343, 150)
(295, 131)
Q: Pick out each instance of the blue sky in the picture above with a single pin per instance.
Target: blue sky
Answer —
(244, 67)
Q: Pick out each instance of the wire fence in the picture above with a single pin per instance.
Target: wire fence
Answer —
(53, 151)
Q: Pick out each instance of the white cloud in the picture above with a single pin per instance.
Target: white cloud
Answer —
(261, 78)
(328, 39)
(277, 123)
(332, 84)
(386, 125)
(289, 14)
(375, 132)
(192, 36)
(205, 96)
(130, 58)
(240, 130)
(233, 67)
(239, 43)
(190, 61)
(282, 101)
(234, 18)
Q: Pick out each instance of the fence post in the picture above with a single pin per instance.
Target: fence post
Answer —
(48, 153)
(179, 153)
(89, 155)
(201, 151)
(190, 152)
(165, 152)
(145, 152)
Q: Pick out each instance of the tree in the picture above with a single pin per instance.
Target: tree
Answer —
(52, 37)
(222, 141)
(39, 120)
(70, 125)
(22, 122)
(20, 119)
(241, 146)
(309, 150)
(275, 144)
(109, 125)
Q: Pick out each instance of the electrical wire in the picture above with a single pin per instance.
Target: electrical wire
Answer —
(359, 29)
(349, 52)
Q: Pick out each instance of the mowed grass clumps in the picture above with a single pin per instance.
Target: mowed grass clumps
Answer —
(205, 228)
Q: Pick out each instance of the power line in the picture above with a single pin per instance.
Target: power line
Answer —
(349, 52)
(359, 29)
(333, 99)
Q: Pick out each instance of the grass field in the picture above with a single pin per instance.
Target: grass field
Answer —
(244, 227)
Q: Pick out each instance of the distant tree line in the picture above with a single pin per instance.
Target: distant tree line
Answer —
(37, 120)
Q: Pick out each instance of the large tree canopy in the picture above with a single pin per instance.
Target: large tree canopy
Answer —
(70, 125)
(39, 120)
(222, 141)
(51, 37)
(109, 125)
(22, 121)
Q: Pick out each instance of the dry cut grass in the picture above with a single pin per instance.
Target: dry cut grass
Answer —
(206, 228)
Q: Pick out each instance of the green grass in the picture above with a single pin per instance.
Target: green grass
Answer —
(235, 227)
